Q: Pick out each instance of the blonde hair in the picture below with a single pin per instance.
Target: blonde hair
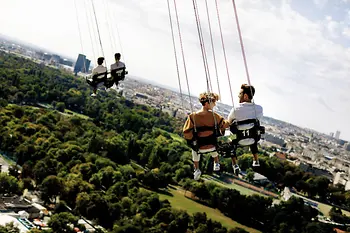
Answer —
(208, 97)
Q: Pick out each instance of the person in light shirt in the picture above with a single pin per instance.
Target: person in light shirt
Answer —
(98, 74)
(244, 111)
(118, 65)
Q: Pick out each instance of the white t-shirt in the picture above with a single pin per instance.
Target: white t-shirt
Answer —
(245, 111)
(98, 70)
(117, 65)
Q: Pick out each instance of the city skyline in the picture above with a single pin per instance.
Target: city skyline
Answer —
(38, 50)
(301, 65)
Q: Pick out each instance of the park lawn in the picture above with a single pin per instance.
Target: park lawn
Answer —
(179, 201)
(76, 114)
(324, 208)
(241, 189)
(173, 135)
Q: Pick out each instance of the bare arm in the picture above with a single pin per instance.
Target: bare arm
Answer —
(231, 116)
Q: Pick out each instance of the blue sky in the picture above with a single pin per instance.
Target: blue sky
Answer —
(298, 51)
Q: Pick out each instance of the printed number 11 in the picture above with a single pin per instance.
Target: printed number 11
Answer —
(246, 133)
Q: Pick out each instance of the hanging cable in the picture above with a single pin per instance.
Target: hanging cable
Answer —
(92, 43)
(224, 51)
(176, 60)
(201, 41)
(243, 52)
(119, 39)
(93, 29)
(212, 46)
(114, 38)
(120, 43)
(81, 41)
(183, 57)
(205, 60)
(110, 28)
(98, 31)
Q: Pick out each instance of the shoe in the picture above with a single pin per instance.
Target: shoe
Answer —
(216, 167)
(93, 94)
(256, 163)
(236, 169)
(197, 174)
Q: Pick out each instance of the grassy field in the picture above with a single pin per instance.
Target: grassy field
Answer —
(179, 201)
(241, 189)
(69, 112)
(324, 208)
(173, 136)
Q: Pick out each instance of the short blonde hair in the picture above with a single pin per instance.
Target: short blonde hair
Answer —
(208, 97)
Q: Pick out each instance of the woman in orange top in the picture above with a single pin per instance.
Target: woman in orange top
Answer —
(201, 130)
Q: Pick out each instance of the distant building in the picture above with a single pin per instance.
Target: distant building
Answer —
(281, 156)
(275, 139)
(310, 154)
(337, 134)
(341, 142)
(55, 59)
(316, 171)
(39, 55)
(347, 146)
(286, 194)
(87, 65)
(21, 223)
(46, 57)
(82, 64)
(331, 134)
(140, 95)
(66, 62)
(260, 179)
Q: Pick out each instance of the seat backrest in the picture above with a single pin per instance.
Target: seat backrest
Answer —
(245, 126)
(247, 131)
(100, 75)
(118, 72)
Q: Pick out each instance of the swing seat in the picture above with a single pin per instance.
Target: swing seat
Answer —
(96, 79)
(118, 74)
(248, 132)
(224, 143)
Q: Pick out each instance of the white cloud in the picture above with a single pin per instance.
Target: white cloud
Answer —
(300, 74)
(346, 32)
(320, 3)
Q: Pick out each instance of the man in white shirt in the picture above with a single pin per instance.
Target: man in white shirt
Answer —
(244, 111)
(118, 66)
(98, 74)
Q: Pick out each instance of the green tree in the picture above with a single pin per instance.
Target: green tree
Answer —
(61, 223)
(250, 175)
(51, 187)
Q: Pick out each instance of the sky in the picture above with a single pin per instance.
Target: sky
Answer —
(298, 51)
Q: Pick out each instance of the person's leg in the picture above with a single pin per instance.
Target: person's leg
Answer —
(197, 172)
(94, 85)
(215, 156)
(233, 156)
(94, 90)
(235, 166)
(254, 150)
